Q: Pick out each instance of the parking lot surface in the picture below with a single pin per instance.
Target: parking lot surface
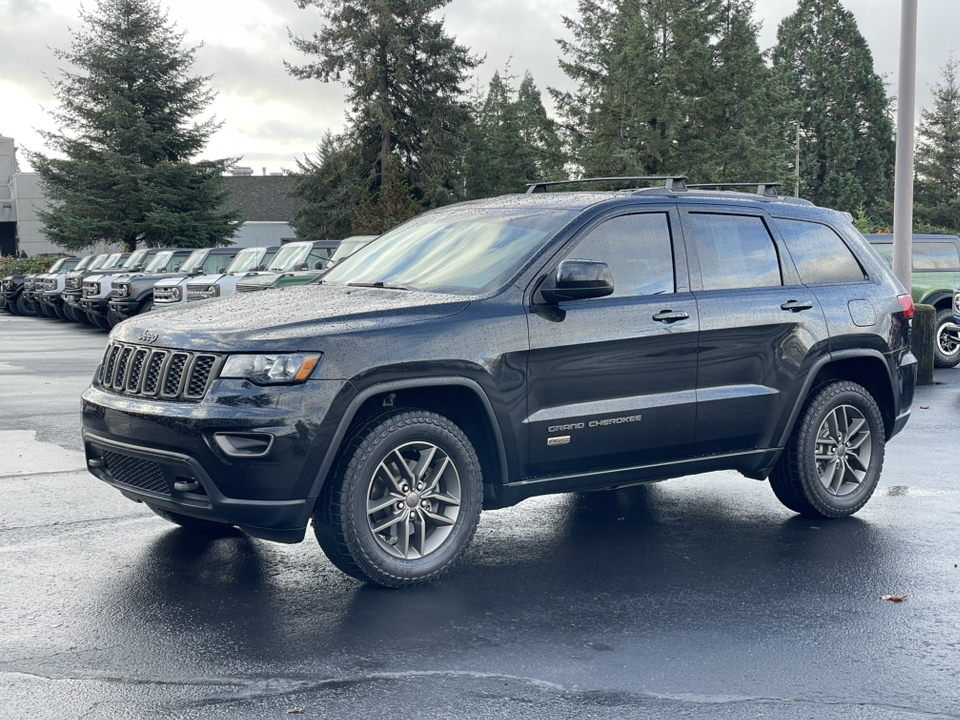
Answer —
(695, 598)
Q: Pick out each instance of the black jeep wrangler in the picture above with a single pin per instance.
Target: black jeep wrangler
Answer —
(486, 352)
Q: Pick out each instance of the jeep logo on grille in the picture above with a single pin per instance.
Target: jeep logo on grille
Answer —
(147, 336)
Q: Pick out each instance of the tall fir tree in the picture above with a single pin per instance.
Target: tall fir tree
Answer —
(739, 132)
(936, 194)
(512, 141)
(403, 74)
(331, 186)
(124, 168)
(847, 142)
(625, 113)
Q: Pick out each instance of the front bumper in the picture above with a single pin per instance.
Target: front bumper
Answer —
(96, 305)
(166, 453)
(123, 307)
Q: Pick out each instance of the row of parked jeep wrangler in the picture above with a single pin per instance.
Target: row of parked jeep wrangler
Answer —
(104, 289)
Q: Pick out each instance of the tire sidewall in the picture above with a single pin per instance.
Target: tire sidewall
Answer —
(826, 503)
(397, 431)
(941, 359)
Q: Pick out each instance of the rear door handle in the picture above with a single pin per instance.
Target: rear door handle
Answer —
(669, 316)
(796, 305)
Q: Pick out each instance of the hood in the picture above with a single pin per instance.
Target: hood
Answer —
(207, 279)
(286, 320)
(263, 279)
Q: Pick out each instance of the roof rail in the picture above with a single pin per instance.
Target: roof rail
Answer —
(767, 189)
(674, 183)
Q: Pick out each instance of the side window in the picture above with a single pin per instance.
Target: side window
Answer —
(819, 253)
(736, 251)
(317, 259)
(935, 256)
(638, 250)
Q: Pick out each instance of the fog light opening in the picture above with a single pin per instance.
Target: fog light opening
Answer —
(248, 445)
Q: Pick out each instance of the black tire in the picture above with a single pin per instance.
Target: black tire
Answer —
(60, 312)
(946, 344)
(207, 527)
(145, 307)
(378, 460)
(26, 307)
(97, 319)
(820, 487)
(11, 307)
(73, 316)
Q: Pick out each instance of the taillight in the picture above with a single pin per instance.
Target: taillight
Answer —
(906, 303)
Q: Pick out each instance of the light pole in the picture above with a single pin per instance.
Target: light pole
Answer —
(796, 164)
(903, 180)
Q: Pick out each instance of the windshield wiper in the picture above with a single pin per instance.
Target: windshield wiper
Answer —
(378, 284)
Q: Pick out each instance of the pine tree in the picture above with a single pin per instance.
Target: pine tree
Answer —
(847, 143)
(331, 185)
(936, 193)
(542, 149)
(403, 75)
(641, 68)
(123, 168)
(739, 132)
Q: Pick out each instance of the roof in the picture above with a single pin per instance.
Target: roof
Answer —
(263, 198)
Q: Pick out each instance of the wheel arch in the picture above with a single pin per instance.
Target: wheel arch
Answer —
(868, 368)
(461, 399)
(940, 300)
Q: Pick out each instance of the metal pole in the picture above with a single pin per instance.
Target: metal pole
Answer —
(796, 166)
(903, 185)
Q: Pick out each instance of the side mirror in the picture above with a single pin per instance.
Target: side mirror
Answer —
(578, 280)
(303, 266)
(221, 270)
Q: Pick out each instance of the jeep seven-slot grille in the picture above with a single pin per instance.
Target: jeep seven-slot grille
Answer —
(142, 474)
(156, 372)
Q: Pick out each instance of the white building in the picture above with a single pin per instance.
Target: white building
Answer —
(20, 199)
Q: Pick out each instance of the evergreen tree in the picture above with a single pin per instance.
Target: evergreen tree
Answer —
(403, 76)
(739, 132)
(641, 68)
(936, 193)
(847, 143)
(332, 186)
(512, 142)
(128, 138)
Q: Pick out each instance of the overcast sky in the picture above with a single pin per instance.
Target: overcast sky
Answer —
(271, 118)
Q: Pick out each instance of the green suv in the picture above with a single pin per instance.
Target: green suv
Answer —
(936, 276)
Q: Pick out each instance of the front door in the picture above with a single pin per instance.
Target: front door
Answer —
(611, 381)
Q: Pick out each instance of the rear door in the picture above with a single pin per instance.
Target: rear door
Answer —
(760, 329)
(611, 380)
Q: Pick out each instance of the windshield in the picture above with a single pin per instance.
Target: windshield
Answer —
(85, 262)
(288, 257)
(98, 262)
(135, 259)
(70, 264)
(194, 261)
(159, 262)
(112, 261)
(347, 248)
(456, 250)
(57, 265)
(244, 261)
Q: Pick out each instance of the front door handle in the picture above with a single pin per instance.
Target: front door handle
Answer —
(669, 316)
(796, 305)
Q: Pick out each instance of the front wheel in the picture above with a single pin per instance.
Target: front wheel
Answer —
(404, 499)
(26, 307)
(946, 345)
(832, 462)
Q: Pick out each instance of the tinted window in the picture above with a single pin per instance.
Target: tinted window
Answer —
(819, 253)
(216, 263)
(638, 250)
(736, 251)
(935, 256)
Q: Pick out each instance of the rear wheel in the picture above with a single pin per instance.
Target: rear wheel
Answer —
(207, 527)
(946, 345)
(832, 462)
(404, 499)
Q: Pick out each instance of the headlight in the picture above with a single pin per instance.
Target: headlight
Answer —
(202, 292)
(270, 369)
(91, 288)
(175, 294)
(122, 290)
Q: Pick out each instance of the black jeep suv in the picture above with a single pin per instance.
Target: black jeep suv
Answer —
(486, 352)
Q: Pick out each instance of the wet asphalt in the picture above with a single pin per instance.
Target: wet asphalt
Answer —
(695, 598)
